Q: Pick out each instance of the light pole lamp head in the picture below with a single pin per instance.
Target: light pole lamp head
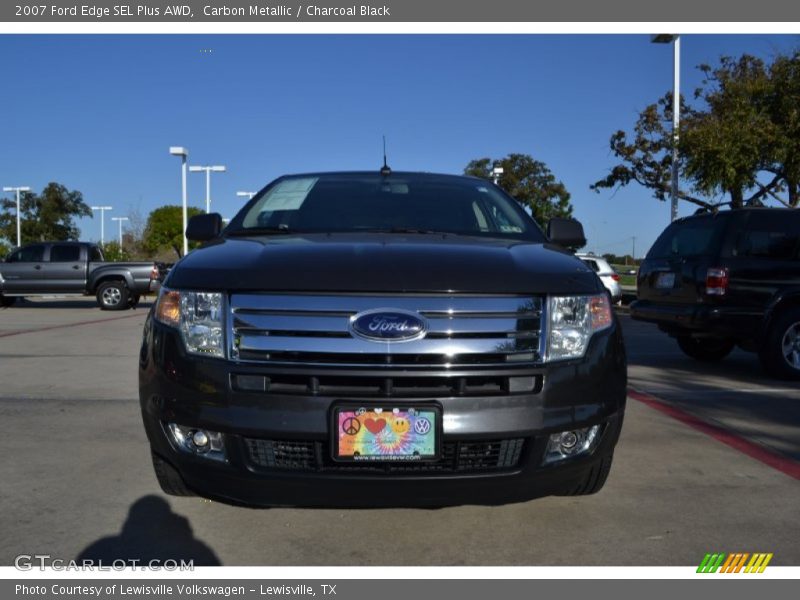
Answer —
(218, 168)
(195, 169)
(178, 151)
(23, 188)
(663, 38)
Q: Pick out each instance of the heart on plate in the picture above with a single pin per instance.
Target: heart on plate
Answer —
(375, 426)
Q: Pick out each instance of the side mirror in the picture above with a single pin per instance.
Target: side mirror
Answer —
(566, 232)
(202, 228)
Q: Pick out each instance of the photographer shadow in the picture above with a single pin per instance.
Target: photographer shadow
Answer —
(151, 534)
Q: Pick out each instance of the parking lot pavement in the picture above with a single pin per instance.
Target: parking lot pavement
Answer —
(734, 393)
(77, 479)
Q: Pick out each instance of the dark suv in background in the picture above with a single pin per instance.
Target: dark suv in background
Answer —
(731, 278)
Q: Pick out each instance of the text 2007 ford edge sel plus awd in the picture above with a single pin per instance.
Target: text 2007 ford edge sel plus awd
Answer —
(382, 339)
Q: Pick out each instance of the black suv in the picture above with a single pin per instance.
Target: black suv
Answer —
(717, 280)
(382, 339)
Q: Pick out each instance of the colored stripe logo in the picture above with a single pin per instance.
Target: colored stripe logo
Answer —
(737, 562)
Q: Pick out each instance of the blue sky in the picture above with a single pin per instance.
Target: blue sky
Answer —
(98, 113)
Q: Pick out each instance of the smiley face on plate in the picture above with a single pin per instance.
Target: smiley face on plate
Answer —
(400, 425)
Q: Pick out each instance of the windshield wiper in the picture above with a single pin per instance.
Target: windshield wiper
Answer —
(405, 230)
(262, 231)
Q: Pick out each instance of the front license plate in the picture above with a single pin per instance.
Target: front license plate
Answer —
(665, 281)
(389, 433)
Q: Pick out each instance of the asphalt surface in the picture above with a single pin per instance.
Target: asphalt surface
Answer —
(707, 461)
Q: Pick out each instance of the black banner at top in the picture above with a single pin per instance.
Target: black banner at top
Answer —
(49, 11)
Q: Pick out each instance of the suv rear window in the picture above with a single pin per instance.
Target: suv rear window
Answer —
(769, 235)
(591, 263)
(693, 237)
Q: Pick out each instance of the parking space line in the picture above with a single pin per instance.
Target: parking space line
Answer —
(65, 326)
(737, 442)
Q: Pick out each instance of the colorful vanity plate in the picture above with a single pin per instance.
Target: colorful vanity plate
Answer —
(387, 433)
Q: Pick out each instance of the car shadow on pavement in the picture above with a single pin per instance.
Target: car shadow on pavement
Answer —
(151, 535)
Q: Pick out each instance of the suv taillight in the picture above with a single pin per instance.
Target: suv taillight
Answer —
(716, 281)
(154, 273)
(615, 277)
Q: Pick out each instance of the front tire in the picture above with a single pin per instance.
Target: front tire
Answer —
(169, 479)
(594, 480)
(780, 353)
(705, 349)
(113, 295)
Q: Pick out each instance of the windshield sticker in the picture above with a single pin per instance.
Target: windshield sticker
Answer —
(289, 194)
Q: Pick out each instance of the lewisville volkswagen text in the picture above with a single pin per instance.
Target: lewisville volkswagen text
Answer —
(382, 339)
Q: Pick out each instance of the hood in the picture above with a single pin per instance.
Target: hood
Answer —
(382, 263)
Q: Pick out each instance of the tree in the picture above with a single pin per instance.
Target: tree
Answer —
(4, 250)
(783, 106)
(114, 253)
(49, 216)
(740, 143)
(727, 144)
(646, 155)
(165, 229)
(530, 182)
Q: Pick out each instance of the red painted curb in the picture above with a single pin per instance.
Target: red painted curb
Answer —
(78, 324)
(770, 458)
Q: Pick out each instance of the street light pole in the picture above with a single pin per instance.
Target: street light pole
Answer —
(675, 40)
(184, 154)
(120, 220)
(19, 223)
(676, 122)
(102, 210)
(208, 169)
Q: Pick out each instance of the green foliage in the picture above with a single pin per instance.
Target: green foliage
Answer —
(530, 182)
(165, 229)
(646, 154)
(727, 144)
(4, 250)
(739, 142)
(114, 253)
(49, 216)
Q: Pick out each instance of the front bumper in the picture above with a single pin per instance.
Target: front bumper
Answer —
(198, 392)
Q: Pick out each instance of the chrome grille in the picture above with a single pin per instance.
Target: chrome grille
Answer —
(315, 329)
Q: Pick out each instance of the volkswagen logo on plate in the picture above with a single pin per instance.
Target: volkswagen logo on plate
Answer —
(388, 325)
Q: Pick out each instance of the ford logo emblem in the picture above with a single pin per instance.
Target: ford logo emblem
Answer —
(388, 325)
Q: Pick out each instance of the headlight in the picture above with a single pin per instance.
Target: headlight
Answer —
(198, 316)
(573, 320)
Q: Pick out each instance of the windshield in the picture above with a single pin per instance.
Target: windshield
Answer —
(399, 203)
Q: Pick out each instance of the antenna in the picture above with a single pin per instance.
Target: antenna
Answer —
(385, 170)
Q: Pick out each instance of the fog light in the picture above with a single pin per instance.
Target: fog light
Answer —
(575, 442)
(200, 439)
(201, 442)
(569, 439)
